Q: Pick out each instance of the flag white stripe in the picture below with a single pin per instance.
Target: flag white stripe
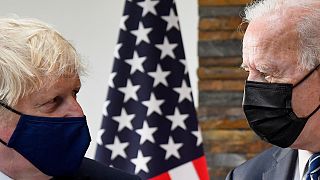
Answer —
(185, 171)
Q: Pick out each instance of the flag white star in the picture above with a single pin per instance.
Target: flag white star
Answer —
(111, 77)
(116, 51)
(148, 6)
(124, 120)
(117, 148)
(146, 133)
(105, 105)
(198, 135)
(184, 62)
(177, 119)
(159, 76)
(184, 92)
(172, 20)
(136, 63)
(123, 22)
(141, 33)
(171, 148)
(153, 105)
(130, 91)
(99, 136)
(167, 48)
(141, 162)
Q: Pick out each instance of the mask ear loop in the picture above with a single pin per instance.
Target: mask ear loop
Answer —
(12, 110)
(305, 77)
(2, 142)
(313, 112)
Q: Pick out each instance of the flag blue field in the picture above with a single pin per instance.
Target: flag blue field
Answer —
(149, 125)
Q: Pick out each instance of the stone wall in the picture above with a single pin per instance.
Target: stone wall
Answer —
(228, 141)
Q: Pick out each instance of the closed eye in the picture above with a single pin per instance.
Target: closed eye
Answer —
(51, 104)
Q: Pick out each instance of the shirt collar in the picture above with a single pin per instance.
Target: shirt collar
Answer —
(303, 157)
(4, 177)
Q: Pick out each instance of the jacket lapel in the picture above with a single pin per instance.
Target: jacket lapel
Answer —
(284, 165)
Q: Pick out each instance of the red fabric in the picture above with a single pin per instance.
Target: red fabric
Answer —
(200, 165)
(163, 176)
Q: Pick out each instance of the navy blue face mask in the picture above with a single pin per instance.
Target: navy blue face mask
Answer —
(55, 145)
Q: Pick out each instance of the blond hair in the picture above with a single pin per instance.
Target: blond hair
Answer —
(31, 53)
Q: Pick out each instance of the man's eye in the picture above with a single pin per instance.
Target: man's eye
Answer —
(52, 101)
(267, 77)
(263, 74)
(51, 105)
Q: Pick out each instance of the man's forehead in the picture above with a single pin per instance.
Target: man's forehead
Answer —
(269, 39)
(73, 81)
(262, 34)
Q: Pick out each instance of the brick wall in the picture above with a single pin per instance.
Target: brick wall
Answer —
(228, 141)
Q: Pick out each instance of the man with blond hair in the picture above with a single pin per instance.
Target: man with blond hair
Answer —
(43, 130)
(281, 52)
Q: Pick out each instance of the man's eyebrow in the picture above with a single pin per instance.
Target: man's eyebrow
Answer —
(262, 68)
(267, 68)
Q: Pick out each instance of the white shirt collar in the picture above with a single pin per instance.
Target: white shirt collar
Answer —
(4, 177)
(303, 157)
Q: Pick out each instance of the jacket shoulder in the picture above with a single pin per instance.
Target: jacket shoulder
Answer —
(98, 170)
(255, 167)
(93, 170)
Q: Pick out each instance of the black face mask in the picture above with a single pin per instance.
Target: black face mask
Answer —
(268, 109)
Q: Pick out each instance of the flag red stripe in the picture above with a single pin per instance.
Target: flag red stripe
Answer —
(163, 176)
(200, 165)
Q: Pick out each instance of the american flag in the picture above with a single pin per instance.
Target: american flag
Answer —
(149, 123)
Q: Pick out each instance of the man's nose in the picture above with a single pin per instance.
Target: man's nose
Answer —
(255, 77)
(74, 109)
(250, 77)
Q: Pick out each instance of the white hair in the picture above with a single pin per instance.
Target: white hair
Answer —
(307, 25)
(32, 54)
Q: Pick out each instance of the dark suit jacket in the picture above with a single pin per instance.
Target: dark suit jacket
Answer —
(273, 164)
(92, 170)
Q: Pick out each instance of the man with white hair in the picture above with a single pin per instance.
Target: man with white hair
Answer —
(43, 130)
(281, 52)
